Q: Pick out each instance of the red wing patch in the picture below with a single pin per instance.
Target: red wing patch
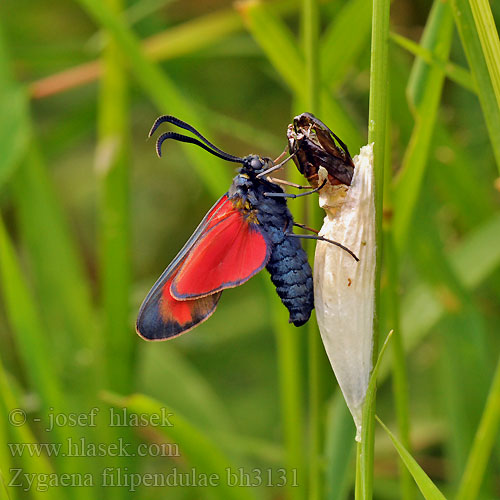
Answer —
(228, 253)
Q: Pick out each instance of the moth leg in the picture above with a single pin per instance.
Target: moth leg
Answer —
(307, 228)
(287, 183)
(321, 238)
(281, 156)
(291, 195)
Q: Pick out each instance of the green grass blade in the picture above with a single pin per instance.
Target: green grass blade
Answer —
(464, 338)
(64, 289)
(399, 369)
(278, 44)
(113, 172)
(20, 434)
(193, 35)
(195, 447)
(188, 391)
(364, 464)
(424, 92)
(310, 42)
(476, 58)
(291, 389)
(488, 36)
(14, 129)
(215, 175)
(377, 129)
(26, 324)
(428, 489)
(31, 341)
(339, 449)
(277, 41)
(390, 309)
(454, 72)
(335, 64)
(484, 441)
(472, 262)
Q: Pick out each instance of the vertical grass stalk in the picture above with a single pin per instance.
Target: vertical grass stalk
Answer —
(376, 133)
(310, 40)
(112, 168)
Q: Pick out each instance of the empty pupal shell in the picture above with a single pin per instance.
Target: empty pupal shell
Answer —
(344, 290)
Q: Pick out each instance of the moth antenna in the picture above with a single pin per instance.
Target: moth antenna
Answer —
(181, 124)
(191, 140)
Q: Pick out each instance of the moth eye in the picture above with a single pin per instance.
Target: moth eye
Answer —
(256, 164)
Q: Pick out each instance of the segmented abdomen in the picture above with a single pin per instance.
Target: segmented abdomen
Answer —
(288, 265)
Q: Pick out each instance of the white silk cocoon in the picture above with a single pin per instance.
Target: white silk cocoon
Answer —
(344, 290)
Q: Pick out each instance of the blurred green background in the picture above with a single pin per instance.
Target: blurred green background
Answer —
(91, 217)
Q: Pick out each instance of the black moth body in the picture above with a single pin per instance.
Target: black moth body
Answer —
(288, 264)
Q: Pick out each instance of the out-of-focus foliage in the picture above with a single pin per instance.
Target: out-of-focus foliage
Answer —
(90, 217)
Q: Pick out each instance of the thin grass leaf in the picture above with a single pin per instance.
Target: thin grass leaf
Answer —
(364, 466)
(377, 129)
(453, 71)
(132, 15)
(464, 348)
(14, 129)
(488, 36)
(203, 32)
(458, 181)
(476, 58)
(276, 40)
(199, 450)
(176, 41)
(29, 334)
(339, 449)
(292, 397)
(483, 443)
(113, 172)
(64, 289)
(20, 434)
(278, 44)
(464, 336)
(424, 92)
(238, 129)
(390, 309)
(4, 492)
(112, 168)
(335, 64)
(473, 261)
(310, 42)
(188, 391)
(162, 92)
(392, 312)
(425, 485)
(26, 324)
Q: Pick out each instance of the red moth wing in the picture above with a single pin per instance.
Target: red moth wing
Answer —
(161, 316)
(228, 253)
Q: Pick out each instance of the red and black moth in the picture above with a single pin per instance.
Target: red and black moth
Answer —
(248, 228)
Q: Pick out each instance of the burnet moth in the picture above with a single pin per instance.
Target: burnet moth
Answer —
(248, 228)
